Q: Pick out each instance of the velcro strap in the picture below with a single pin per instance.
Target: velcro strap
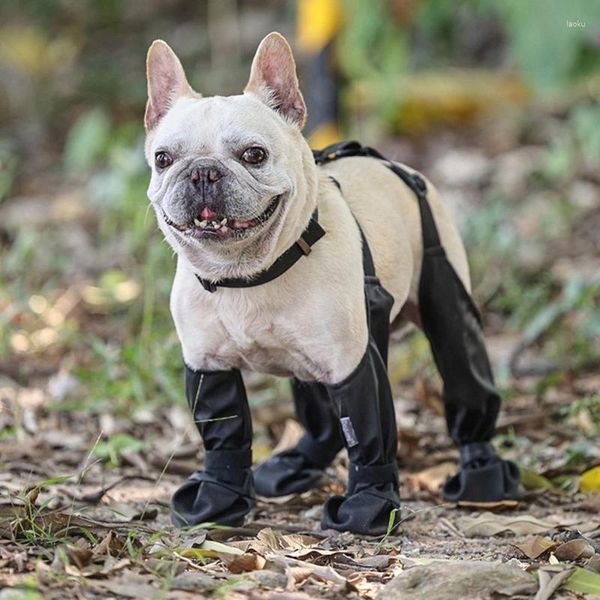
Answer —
(227, 459)
(371, 474)
(476, 451)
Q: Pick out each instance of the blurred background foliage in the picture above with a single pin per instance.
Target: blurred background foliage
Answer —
(496, 101)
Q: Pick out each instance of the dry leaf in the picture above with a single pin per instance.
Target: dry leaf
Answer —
(536, 546)
(211, 548)
(499, 505)
(431, 479)
(550, 580)
(489, 524)
(576, 549)
(301, 571)
(242, 563)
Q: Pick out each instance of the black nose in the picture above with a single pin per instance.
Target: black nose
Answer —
(200, 175)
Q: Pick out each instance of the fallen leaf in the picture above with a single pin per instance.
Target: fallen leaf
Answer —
(489, 524)
(301, 570)
(584, 582)
(431, 479)
(533, 481)
(499, 505)
(590, 481)
(218, 548)
(242, 563)
(536, 546)
(574, 550)
(550, 580)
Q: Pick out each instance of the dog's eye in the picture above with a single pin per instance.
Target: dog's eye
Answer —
(254, 155)
(162, 159)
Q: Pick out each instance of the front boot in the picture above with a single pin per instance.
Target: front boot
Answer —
(365, 404)
(223, 492)
(301, 468)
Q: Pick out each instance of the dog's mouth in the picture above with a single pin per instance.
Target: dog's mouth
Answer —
(222, 226)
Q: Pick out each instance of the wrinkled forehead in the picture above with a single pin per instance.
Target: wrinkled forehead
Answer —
(217, 124)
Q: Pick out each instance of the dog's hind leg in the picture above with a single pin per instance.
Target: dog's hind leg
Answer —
(452, 325)
(224, 491)
(301, 468)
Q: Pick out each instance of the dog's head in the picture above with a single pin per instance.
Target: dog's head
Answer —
(233, 181)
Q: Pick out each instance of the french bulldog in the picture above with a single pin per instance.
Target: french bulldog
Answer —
(234, 185)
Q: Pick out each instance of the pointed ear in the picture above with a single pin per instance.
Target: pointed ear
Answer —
(166, 82)
(273, 79)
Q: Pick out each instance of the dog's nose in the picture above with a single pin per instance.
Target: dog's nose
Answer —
(202, 174)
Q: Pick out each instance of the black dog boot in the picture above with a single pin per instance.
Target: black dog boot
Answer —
(301, 468)
(483, 476)
(224, 491)
(452, 325)
(368, 422)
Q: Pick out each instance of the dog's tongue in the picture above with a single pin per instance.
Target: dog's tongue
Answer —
(208, 214)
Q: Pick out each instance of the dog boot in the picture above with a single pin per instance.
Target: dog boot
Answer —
(452, 324)
(300, 468)
(483, 476)
(365, 404)
(223, 492)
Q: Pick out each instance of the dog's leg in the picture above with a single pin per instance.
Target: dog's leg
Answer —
(366, 409)
(224, 491)
(452, 324)
(300, 468)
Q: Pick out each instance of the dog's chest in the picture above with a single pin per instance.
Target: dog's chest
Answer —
(243, 335)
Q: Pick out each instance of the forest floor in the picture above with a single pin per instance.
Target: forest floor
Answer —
(89, 458)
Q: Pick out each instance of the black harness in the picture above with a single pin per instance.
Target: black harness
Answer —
(314, 232)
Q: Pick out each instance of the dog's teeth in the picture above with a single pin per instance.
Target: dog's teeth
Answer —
(224, 221)
(203, 224)
(197, 223)
(215, 224)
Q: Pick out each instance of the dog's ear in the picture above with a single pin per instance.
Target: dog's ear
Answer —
(166, 82)
(273, 79)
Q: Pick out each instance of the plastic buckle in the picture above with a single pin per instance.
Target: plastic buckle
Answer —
(420, 185)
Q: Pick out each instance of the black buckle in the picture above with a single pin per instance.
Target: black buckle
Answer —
(419, 184)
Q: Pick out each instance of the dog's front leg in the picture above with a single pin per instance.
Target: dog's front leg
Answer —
(300, 468)
(224, 491)
(366, 409)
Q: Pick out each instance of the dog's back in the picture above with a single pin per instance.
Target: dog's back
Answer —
(388, 212)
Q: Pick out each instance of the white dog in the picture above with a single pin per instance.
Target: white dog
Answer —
(271, 277)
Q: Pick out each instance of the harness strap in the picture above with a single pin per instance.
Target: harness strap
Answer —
(301, 247)
(368, 263)
(431, 238)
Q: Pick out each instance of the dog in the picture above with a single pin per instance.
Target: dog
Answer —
(234, 186)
